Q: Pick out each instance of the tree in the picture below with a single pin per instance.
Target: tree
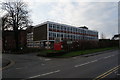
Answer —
(17, 17)
(103, 36)
(5, 26)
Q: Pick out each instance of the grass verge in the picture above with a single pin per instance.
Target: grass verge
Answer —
(63, 54)
(83, 52)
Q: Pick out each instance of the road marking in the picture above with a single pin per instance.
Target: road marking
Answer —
(108, 56)
(10, 64)
(85, 63)
(47, 59)
(18, 68)
(42, 64)
(82, 64)
(94, 61)
(45, 74)
(107, 73)
(74, 57)
(118, 74)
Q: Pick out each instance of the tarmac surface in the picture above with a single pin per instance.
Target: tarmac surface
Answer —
(29, 66)
(5, 62)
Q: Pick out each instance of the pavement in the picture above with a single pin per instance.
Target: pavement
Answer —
(29, 66)
(5, 62)
(97, 53)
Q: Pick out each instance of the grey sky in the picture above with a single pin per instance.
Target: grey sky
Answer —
(100, 16)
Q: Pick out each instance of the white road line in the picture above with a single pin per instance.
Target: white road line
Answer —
(118, 74)
(94, 61)
(42, 64)
(82, 64)
(18, 68)
(108, 56)
(44, 59)
(47, 59)
(112, 55)
(85, 63)
(74, 57)
(45, 74)
(99, 58)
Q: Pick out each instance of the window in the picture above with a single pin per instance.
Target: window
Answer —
(50, 25)
(67, 28)
(58, 35)
(61, 35)
(58, 27)
(54, 35)
(54, 26)
(64, 35)
(50, 34)
(72, 36)
(70, 29)
(73, 29)
(62, 28)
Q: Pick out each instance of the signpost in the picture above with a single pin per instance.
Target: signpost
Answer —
(57, 44)
(69, 43)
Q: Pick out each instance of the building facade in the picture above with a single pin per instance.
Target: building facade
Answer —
(49, 31)
(8, 39)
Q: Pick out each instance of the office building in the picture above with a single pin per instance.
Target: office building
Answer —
(49, 31)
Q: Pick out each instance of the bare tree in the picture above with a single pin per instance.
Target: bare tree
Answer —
(103, 36)
(17, 17)
(5, 26)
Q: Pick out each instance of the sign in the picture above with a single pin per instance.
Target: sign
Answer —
(69, 42)
(47, 43)
(57, 40)
(57, 46)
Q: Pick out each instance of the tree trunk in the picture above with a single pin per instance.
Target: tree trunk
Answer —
(3, 40)
(16, 37)
(16, 40)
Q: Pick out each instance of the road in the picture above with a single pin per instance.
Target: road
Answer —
(29, 66)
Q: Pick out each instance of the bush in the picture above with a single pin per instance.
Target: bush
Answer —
(25, 50)
(51, 53)
(89, 44)
(80, 45)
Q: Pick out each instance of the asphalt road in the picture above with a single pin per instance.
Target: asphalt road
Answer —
(29, 66)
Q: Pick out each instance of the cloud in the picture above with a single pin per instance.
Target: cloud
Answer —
(100, 16)
(97, 15)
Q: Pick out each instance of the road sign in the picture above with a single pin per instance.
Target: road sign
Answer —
(69, 42)
(57, 40)
(57, 46)
(47, 43)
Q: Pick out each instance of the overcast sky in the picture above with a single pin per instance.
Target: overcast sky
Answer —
(100, 16)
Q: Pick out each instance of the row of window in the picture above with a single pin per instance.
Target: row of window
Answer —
(33, 44)
(70, 36)
(71, 29)
(30, 36)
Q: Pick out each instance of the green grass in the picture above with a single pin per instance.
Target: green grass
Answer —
(61, 54)
(76, 53)
(50, 52)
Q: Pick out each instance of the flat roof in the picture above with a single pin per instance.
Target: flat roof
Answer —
(62, 25)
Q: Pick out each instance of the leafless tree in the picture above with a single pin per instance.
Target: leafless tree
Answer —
(17, 17)
(103, 36)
